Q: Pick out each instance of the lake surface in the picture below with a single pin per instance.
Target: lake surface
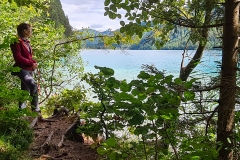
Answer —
(127, 64)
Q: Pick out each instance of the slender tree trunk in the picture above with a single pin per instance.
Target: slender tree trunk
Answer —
(228, 81)
(187, 70)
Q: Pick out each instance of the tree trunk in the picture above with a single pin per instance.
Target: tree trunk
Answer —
(186, 71)
(228, 81)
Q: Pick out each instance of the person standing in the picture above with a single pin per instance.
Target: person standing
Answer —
(22, 54)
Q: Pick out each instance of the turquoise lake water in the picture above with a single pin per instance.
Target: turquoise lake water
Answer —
(127, 64)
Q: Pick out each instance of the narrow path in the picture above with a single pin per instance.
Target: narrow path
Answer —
(50, 142)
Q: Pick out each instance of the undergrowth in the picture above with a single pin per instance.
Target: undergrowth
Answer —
(15, 134)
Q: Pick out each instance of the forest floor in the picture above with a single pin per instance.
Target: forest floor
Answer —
(51, 142)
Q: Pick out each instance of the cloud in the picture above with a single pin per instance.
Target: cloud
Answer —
(88, 13)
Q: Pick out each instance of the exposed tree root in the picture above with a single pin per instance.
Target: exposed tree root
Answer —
(46, 145)
(46, 157)
(39, 118)
(59, 112)
(34, 122)
(47, 120)
(60, 144)
(70, 133)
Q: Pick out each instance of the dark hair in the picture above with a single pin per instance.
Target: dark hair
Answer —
(21, 27)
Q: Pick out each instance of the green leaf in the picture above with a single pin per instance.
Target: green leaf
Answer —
(123, 96)
(111, 82)
(114, 15)
(165, 151)
(106, 71)
(189, 95)
(168, 79)
(101, 150)
(111, 15)
(111, 142)
(138, 21)
(122, 23)
(113, 8)
(16, 69)
(135, 92)
(136, 5)
(150, 90)
(128, 8)
(152, 117)
(166, 117)
(125, 87)
(178, 81)
(142, 96)
(135, 101)
(141, 130)
(137, 119)
(143, 75)
(161, 88)
(106, 13)
(135, 82)
(106, 2)
(112, 156)
(130, 18)
(119, 16)
(140, 34)
(159, 76)
(122, 29)
(195, 158)
(188, 85)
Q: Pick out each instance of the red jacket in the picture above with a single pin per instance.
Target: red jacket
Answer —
(22, 53)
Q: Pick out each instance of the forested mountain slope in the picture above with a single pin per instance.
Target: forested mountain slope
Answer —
(57, 14)
(177, 41)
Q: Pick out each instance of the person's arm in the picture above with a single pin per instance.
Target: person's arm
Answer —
(35, 66)
(16, 50)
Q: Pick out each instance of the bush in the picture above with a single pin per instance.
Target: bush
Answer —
(15, 135)
(7, 151)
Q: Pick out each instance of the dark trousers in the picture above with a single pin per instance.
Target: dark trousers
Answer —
(28, 84)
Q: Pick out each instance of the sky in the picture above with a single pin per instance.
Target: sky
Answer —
(88, 13)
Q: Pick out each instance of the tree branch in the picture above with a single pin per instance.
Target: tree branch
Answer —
(174, 149)
(209, 118)
(54, 61)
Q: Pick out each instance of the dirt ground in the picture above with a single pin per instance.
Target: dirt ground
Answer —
(47, 142)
